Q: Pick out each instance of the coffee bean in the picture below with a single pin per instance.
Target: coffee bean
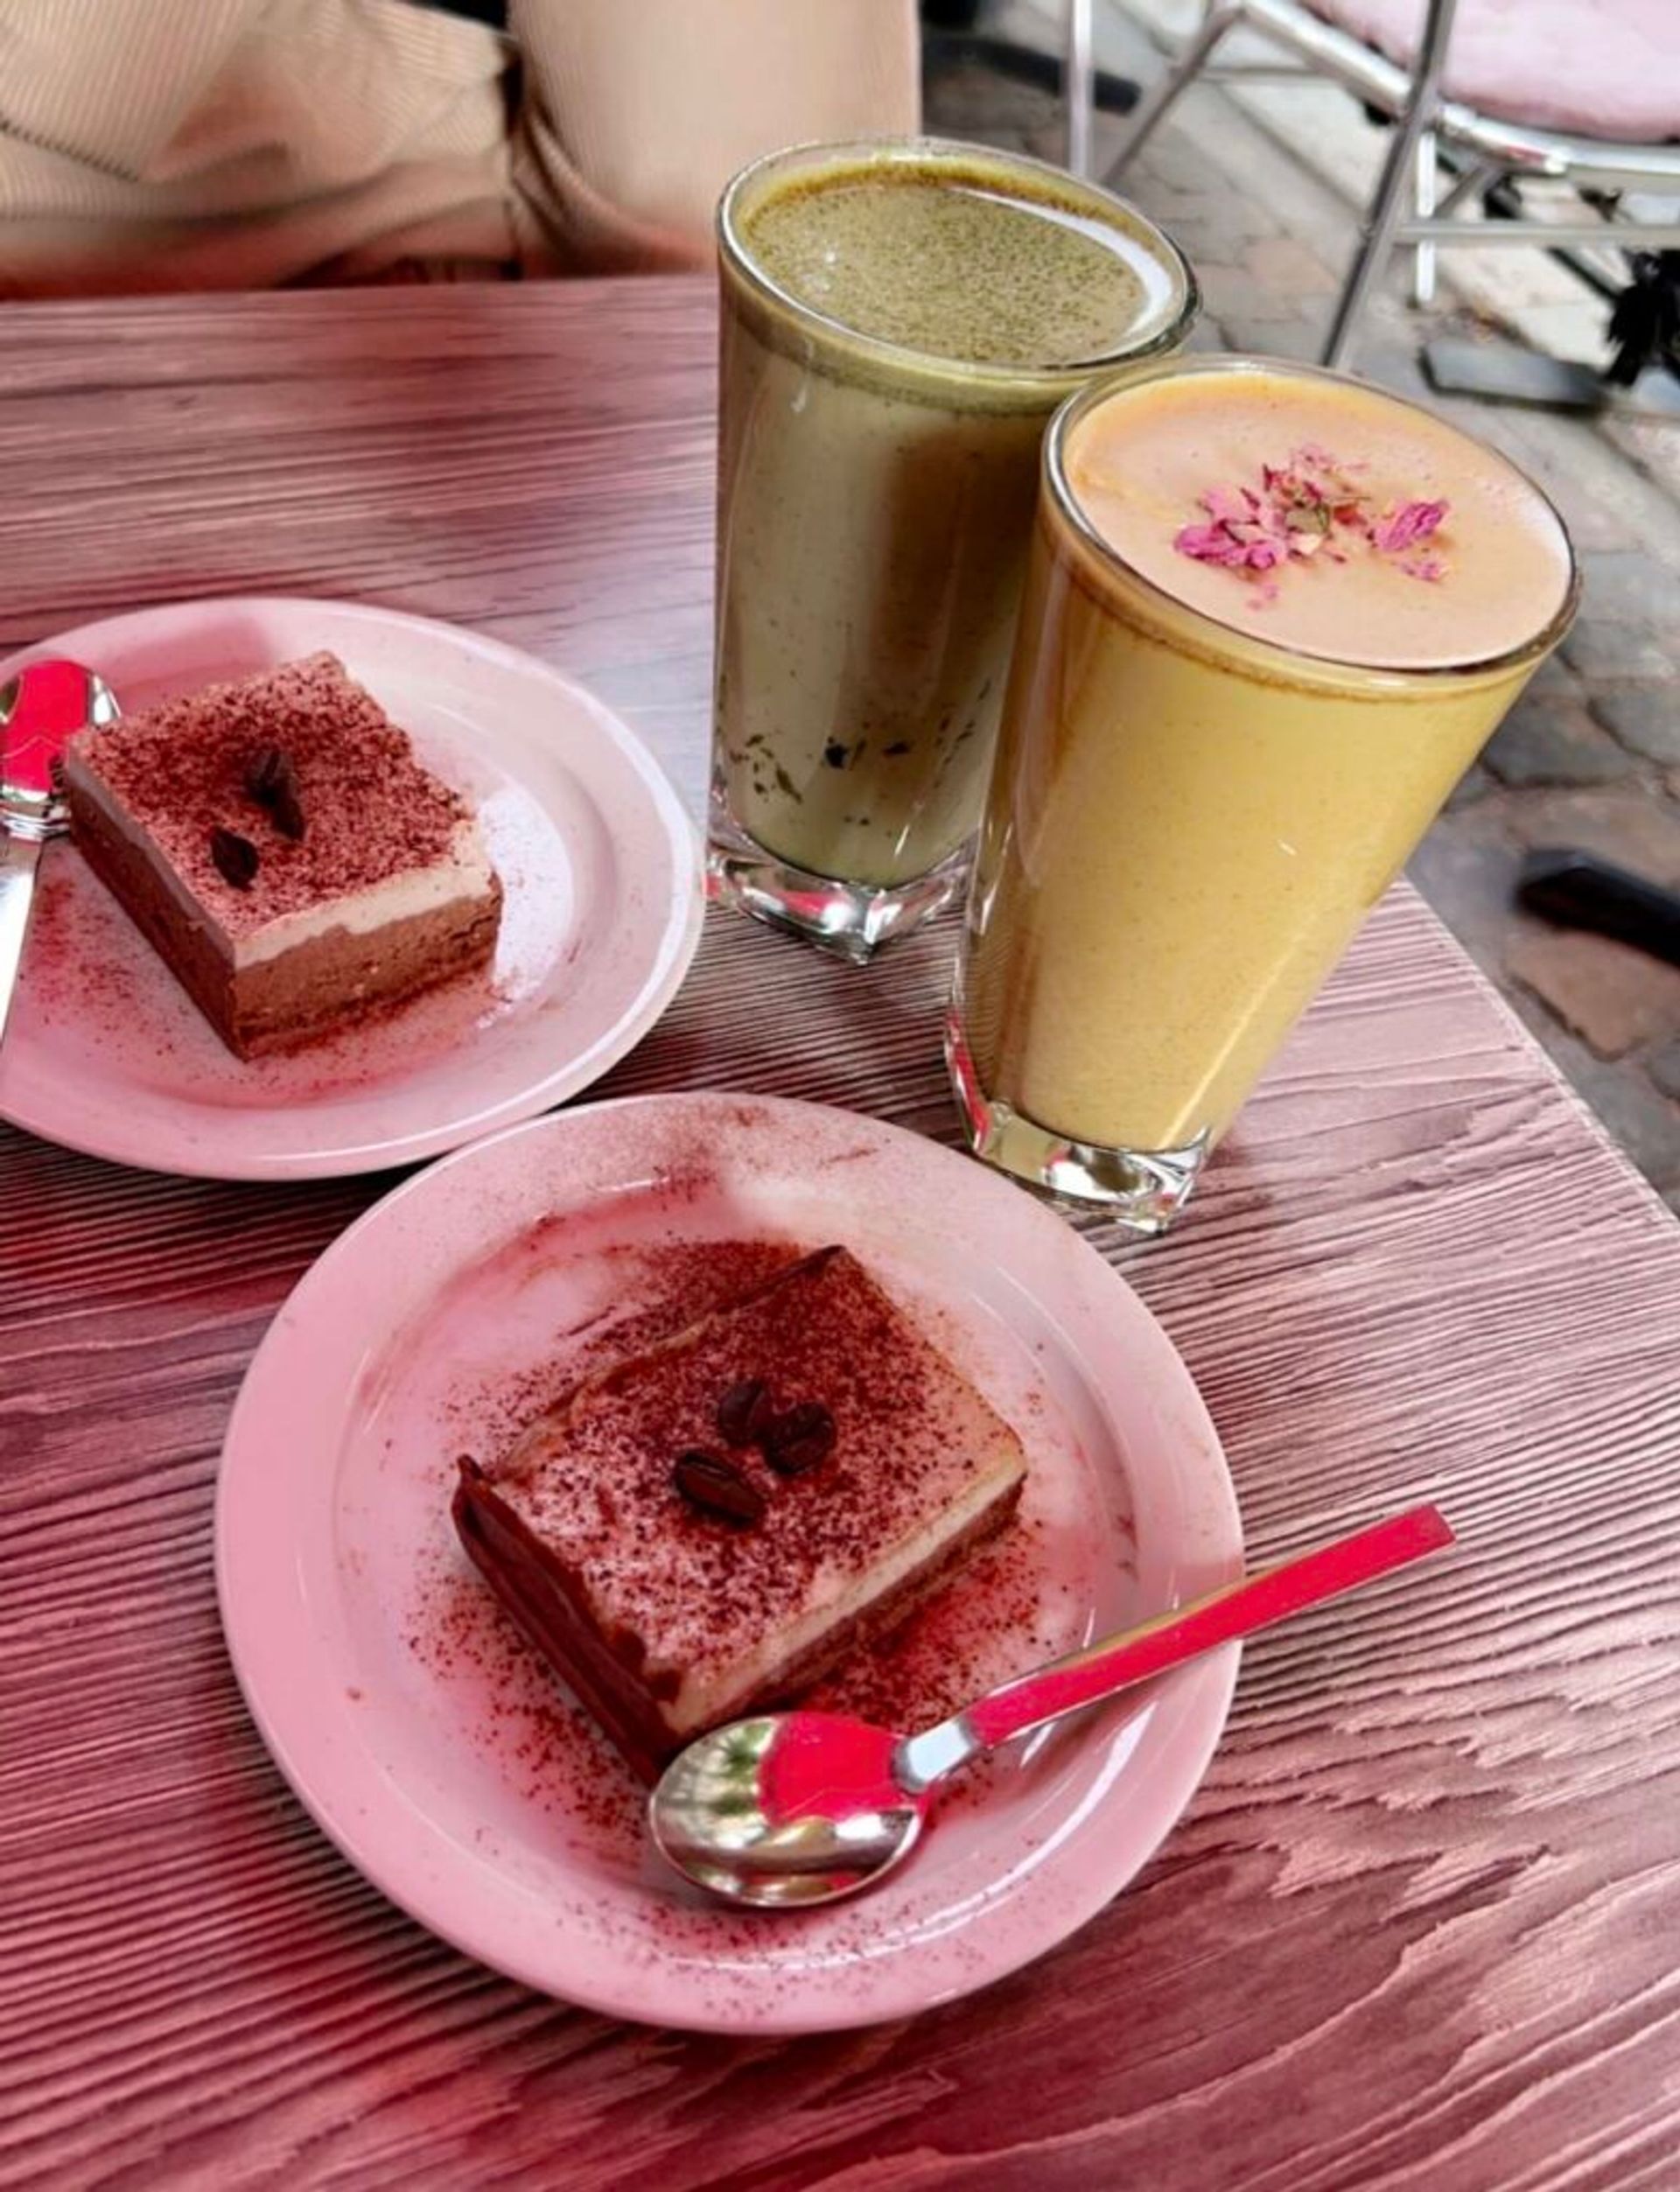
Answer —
(264, 771)
(799, 1439)
(744, 1411)
(287, 814)
(272, 782)
(237, 860)
(717, 1488)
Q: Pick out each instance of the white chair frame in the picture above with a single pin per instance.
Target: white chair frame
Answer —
(1426, 121)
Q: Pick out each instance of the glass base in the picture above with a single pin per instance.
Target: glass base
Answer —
(851, 920)
(1141, 1189)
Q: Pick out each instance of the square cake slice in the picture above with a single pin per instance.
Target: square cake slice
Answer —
(278, 843)
(709, 1526)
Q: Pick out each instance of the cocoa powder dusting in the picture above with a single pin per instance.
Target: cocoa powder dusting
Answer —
(881, 1436)
(185, 768)
(669, 1282)
(993, 1623)
(518, 1714)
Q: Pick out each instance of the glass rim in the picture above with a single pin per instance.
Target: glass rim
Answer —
(1178, 314)
(1066, 505)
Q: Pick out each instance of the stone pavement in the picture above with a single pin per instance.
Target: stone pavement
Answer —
(1591, 755)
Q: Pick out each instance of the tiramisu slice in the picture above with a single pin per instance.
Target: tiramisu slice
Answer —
(712, 1524)
(278, 843)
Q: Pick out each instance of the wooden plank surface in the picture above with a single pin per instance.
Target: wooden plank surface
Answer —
(1417, 1928)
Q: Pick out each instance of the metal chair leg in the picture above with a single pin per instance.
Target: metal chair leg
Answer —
(1423, 255)
(1398, 176)
(1152, 109)
(1079, 85)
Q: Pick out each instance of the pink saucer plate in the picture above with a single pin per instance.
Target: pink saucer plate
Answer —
(432, 1746)
(601, 871)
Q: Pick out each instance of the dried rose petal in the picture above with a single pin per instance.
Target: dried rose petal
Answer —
(1307, 504)
(1405, 525)
(1229, 505)
(1210, 545)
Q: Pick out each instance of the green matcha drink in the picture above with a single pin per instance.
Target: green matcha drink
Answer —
(898, 322)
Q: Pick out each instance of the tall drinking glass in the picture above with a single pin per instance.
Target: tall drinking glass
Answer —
(1271, 616)
(899, 320)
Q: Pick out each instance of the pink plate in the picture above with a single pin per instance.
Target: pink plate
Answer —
(602, 914)
(430, 1744)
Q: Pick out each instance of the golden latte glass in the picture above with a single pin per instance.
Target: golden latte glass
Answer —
(899, 320)
(1212, 767)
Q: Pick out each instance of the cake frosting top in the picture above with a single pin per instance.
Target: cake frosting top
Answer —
(595, 1478)
(277, 794)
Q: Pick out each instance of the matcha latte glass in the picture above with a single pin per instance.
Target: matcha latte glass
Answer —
(1271, 616)
(899, 320)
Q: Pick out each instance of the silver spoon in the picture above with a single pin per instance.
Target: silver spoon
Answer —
(39, 708)
(792, 1809)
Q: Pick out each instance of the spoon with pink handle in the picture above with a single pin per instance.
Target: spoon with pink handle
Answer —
(792, 1809)
(39, 708)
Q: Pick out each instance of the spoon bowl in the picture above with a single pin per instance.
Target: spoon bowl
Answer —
(786, 1810)
(41, 707)
(790, 1810)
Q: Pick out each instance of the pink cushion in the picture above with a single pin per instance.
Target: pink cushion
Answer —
(1596, 68)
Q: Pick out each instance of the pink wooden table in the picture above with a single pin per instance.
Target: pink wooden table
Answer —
(1419, 1928)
